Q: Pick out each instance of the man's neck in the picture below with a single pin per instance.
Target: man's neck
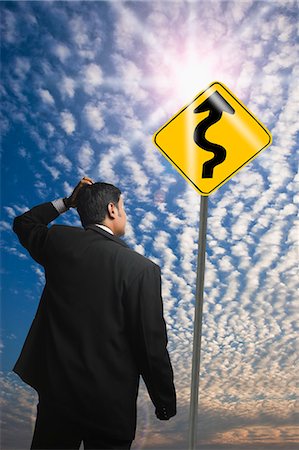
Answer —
(104, 227)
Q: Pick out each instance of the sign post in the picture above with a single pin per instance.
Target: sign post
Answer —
(201, 260)
(214, 122)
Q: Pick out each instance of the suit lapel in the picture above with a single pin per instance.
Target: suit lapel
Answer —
(106, 234)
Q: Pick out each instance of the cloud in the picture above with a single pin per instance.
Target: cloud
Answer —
(14, 210)
(106, 169)
(19, 410)
(61, 51)
(64, 162)
(10, 211)
(67, 122)
(42, 188)
(92, 77)
(67, 87)
(79, 30)
(138, 177)
(94, 116)
(52, 170)
(131, 77)
(40, 274)
(36, 136)
(5, 226)
(14, 251)
(153, 161)
(46, 96)
(24, 153)
(68, 189)
(85, 158)
(9, 27)
(148, 221)
(22, 67)
(50, 129)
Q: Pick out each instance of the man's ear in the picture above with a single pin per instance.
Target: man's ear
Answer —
(111, 210)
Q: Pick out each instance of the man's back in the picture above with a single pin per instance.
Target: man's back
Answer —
(99, 326)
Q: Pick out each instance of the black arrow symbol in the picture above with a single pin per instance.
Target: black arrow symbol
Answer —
(216, 104)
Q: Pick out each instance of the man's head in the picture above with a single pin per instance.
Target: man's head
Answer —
(102, 203)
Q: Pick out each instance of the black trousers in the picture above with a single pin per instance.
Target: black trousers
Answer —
(54, 430)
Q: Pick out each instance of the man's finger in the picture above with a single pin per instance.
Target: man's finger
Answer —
(86, 180)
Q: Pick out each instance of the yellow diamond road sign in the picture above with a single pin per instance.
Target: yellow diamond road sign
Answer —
(212, 138)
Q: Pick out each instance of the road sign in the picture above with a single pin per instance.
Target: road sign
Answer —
(208, 141)
(212, 138)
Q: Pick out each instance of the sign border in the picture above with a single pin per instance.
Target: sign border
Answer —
(183, 109)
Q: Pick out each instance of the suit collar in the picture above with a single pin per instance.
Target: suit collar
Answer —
(106, 234)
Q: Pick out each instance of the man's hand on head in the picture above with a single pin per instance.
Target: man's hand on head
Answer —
(71, 201)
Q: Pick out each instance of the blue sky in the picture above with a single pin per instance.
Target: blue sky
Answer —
(84, 87)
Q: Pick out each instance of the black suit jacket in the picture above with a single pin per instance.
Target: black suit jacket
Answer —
(98, 327)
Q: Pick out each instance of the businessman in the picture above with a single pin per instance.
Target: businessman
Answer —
(98, 327)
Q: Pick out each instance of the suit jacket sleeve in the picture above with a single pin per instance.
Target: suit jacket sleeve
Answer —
(149, 340)
(31, 229)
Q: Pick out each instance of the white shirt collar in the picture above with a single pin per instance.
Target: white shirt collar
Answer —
(104, 228)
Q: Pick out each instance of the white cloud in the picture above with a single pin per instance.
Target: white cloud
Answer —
(5, 226)
(138, 177)
(130, 77)
(79, 30)
(67, 87)
(68, 189)
(9, 27)
(14, 210)
(24, 153)
(19, 409)
(152, 160)
(40, 273)
(240, 227)
(64, 162)
(22, 66)
(147, 222)
(46, 96)
(67, 122)
(13, 251)
(20, 209)
(109, 159)
(85, 158)
(94, 116)
(52, 170)
(10, 211)
(62, 52)
(50, 129)
(225, 264)
(41, 188)
(189, 203)
(86, 33)
(92, 77)
(41, 143)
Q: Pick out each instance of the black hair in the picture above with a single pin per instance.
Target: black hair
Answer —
(93, 200)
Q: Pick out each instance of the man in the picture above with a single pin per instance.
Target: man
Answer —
(98, 327)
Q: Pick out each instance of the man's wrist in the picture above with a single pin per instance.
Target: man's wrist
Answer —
(60, 205)
(66, 202)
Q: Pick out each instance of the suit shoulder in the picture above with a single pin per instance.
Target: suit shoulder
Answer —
(138, 260)
(65, 229)
(61, 236)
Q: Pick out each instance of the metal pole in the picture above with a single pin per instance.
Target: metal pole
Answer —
(193, 415)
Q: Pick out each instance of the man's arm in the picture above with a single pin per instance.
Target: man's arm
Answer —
(31, 227)
(149, 340)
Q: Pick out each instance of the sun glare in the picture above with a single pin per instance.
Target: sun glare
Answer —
(182, 76)
(190, 80)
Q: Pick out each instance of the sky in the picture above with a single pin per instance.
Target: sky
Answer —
(84, 86)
